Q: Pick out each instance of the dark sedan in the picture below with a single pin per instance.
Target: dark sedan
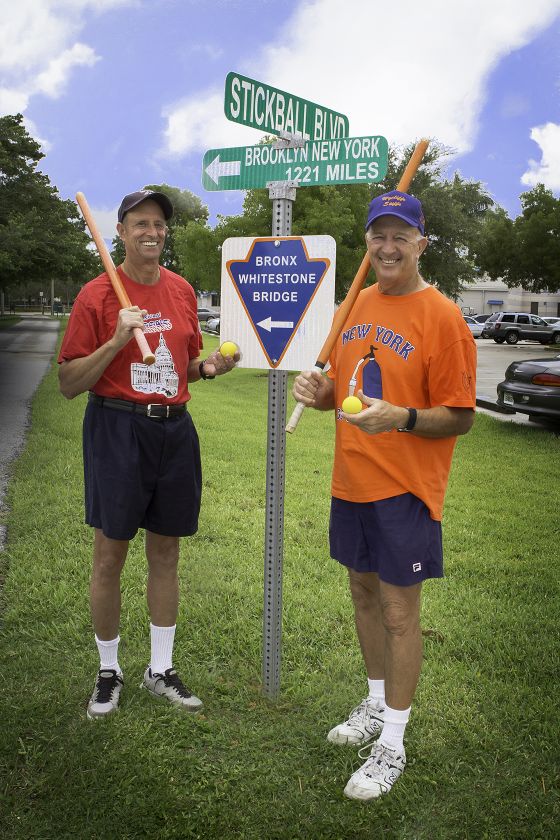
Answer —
(533, 387)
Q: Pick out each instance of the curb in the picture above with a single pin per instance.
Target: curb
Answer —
(492, 405)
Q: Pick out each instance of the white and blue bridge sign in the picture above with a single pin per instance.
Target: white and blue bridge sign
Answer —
(276, 291)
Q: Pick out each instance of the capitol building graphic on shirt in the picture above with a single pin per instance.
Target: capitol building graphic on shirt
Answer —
(157, 378)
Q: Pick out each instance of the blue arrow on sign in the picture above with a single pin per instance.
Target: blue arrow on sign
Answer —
(276, 283)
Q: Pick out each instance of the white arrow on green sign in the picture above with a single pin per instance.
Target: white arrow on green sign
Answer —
(348, 160)
(272, 110)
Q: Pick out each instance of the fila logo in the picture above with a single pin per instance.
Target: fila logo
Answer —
(417, 567)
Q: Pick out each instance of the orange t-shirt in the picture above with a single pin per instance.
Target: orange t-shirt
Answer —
(410, 350)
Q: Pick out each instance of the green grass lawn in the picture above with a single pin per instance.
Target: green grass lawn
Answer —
(483, 743)
(7, 321)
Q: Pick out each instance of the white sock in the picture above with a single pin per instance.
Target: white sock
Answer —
(161, 639)
(377, 692)
(108, 654)
(394, 724)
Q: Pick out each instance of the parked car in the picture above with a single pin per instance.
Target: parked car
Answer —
(551, 319)
(204, 314)
(481, 318)
(533, 387)
(474, 326)
(514, 326)
(213, 325)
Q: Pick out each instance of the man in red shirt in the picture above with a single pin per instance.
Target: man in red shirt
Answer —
(406, 352)
(141, 451)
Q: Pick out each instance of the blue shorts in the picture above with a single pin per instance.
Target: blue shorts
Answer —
(396, 538)
(141, 473)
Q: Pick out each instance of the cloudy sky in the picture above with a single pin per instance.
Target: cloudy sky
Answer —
(126, 92)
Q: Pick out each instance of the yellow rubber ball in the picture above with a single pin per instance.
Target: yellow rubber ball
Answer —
(229, 348)
(351, 405)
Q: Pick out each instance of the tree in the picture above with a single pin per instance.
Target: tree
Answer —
(187, 207)
(496, 245)
(537, 242)
(524, 252)
(198, 255)
(41, 236)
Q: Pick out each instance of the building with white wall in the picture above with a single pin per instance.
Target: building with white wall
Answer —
(486, 296)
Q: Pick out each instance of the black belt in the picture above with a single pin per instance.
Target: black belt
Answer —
(157, 411)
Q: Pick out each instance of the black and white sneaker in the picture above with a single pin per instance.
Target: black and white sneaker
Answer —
(378, 775)
(105, 698)
(170, 685)
(364, 723)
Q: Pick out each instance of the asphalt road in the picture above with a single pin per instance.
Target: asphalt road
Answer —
(26, 350)
(493, 359)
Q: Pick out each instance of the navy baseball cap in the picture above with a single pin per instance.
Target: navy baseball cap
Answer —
(399, 204)
(132, 199)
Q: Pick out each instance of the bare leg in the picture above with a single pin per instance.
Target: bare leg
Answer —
(163, 584)
(403, 642)
(388, 626)
(105, 585)
(364, 588)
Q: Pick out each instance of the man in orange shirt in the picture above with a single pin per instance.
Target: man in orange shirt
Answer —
(407, 353)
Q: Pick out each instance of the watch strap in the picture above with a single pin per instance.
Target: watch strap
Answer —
(411, 422)
(201, 371)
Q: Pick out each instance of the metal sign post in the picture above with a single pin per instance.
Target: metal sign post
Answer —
(296, 121)
(283, 195)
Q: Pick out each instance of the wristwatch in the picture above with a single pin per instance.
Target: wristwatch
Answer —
(201, 371)
(412, 415)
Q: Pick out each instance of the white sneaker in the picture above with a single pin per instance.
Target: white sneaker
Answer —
(170, 685)
(378, 775)
(105, 697)
(364, 723)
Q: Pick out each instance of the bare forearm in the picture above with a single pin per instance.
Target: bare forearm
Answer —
(438, 422)
(79, 375)
(441, 421)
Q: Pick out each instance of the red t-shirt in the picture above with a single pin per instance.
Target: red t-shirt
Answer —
(171, 328)
(410, 350)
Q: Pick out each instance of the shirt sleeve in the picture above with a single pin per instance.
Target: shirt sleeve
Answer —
(452, 376)
(81, 337)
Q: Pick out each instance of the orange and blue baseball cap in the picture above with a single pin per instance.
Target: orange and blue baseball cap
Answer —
(395, 203)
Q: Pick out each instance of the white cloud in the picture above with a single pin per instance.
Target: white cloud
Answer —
(198, 123)
(54, 78)
(12, 101)
(106, 221)
(40, 47)
(405, 70)
(33, 131)
(547, 170)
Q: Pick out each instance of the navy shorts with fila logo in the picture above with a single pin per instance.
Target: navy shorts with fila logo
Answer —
(396, 538)
(141, 473)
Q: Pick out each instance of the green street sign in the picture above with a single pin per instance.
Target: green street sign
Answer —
(349, 160)
(271, 110)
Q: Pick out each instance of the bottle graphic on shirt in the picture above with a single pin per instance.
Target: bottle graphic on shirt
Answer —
(372, 380)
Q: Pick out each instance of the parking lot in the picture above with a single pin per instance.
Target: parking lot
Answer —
(493, 359)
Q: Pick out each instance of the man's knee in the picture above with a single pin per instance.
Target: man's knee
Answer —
(401, 615)
(162, 553)
(364, 588)
(108, 556)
